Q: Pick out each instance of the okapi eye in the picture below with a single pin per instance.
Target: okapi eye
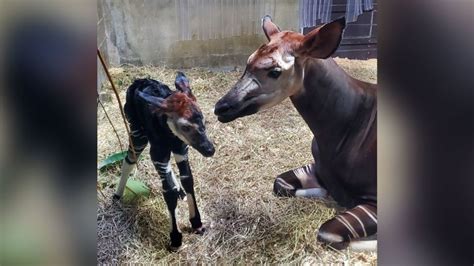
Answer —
(274, 73)
(186, 128)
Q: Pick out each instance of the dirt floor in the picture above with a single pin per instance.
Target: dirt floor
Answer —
(247, 223)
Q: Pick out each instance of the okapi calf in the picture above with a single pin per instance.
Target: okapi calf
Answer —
(169, 121)
(341, 112)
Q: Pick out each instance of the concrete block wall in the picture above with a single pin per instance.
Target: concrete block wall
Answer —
(147, 32)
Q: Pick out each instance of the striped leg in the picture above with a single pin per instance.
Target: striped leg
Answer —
(139, 141)
(300, 182)
(356, 227)
(171, 190)
(186, 178)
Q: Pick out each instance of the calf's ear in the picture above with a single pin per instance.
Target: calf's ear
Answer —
(323, 41)
(182, 82)
(157, 103)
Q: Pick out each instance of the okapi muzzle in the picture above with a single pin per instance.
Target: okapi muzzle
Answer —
(242, 100)
(200, 141)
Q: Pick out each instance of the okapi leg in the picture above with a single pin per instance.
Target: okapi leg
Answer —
(300, 182)
(186, 178)
(351, 228)
(139, 141)
(171, 190)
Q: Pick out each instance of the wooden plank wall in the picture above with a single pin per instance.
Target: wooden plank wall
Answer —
(360, 37)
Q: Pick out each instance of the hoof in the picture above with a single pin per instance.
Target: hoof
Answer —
(200, 231)
(333, 240)
(175, 241)
(174, 249)
(338, 242)
(339, 246)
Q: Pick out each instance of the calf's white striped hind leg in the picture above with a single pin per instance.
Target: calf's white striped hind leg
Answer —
(300, 182)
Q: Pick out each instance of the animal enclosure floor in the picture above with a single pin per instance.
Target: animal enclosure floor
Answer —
(246, 222)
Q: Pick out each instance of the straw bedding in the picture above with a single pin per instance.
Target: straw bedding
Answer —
(247, 223)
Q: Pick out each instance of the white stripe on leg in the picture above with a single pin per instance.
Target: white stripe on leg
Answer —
(311, 193)
(330, 237)
(180, 158)
(284, 184)
(368, 212)
(363, 245)
(359, 220)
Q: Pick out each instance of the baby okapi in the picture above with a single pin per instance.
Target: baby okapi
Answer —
(341, 112)
(169, 121)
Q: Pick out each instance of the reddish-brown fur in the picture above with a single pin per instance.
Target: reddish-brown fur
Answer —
(180, 104)
(285, 41)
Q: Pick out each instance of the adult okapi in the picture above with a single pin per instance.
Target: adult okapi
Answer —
(341, 112)
(169, 121)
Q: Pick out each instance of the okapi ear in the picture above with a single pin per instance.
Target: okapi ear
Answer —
(323, 41)
(269, 28)
(158, 103)
(182, 83)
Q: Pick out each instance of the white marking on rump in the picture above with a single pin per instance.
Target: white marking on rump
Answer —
(192, 211)
(363, 245)
(311, 193)
(330, 237)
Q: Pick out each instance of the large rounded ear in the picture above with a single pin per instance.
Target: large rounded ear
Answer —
(158, 103)
(323, 41)
(269, 28)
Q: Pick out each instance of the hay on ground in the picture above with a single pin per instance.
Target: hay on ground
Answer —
(234, 188)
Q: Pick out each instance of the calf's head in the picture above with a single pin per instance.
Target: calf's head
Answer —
(275, 70)
(184, 117)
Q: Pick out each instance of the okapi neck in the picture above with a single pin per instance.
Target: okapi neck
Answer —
(327, 101)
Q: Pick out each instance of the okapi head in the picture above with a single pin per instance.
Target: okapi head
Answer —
(184, 118)
(275, 70)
